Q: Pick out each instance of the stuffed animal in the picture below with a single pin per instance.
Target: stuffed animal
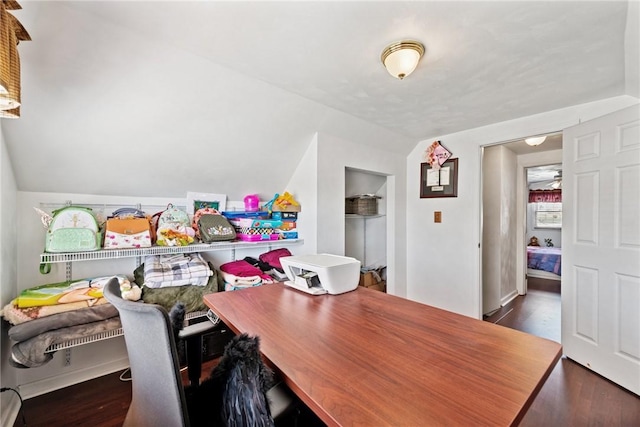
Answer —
(533, 241)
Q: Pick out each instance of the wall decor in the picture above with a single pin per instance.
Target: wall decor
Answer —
(196, 201)
(436, 154)
(439, 182)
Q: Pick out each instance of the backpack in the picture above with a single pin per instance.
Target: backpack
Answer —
(198, 214)
(215, 228)
(128, 228)
(73, 229)
(173, 227)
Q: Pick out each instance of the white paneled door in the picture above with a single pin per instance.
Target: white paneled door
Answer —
(601, 246)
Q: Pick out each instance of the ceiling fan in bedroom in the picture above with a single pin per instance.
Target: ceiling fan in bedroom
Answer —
(557, 181)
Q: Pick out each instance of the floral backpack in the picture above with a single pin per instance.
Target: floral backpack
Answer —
(173, 227)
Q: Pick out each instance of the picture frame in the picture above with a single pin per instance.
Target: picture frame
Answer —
(442, 182)
(196, 201)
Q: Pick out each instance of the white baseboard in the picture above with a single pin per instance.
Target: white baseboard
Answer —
(541, 274)
(47, 385)
(508, 298)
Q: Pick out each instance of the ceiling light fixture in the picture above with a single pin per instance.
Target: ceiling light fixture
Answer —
(535, 140)
(401, 58)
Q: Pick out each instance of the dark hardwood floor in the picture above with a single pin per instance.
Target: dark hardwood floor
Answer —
(572, 396)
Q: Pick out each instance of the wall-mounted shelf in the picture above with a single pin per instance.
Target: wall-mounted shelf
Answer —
(356, 216)
(105, 335)
(102, 254)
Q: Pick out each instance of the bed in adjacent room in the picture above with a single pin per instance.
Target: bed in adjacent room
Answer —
(544, 262)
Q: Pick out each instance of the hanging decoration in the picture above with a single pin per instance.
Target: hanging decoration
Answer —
(436, 155)
(11, 33)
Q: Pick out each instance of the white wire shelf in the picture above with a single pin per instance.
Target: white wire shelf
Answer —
(105, 335)
(49, 258)
(356, 216)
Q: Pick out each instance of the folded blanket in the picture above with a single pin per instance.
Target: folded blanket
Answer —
(242, 268)
(190, 296)
(64, 292)
(236, 280)
(229, 287)
(15, 315)
(26, 330)
(175, 270)
(233, 283)
(196, 281)
(31, 353)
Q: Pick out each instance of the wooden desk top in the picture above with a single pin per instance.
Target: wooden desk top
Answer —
(371, 359)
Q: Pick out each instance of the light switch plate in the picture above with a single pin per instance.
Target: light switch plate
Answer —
(437, 216)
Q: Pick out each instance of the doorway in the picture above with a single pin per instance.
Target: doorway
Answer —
(504, 216)
(544, 222)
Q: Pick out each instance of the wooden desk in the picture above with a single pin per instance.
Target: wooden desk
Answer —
(371, 359)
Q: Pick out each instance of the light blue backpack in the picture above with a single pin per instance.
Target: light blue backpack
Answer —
(73, 229)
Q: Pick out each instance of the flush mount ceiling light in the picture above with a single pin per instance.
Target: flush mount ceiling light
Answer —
(401, 58)
(535, 140)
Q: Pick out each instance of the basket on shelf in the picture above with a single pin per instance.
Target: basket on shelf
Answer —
(363, 204)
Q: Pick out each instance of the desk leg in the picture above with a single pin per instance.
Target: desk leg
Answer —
(194, 359)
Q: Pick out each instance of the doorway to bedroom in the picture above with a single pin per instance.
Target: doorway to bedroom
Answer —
(509, 223)
(544, 227)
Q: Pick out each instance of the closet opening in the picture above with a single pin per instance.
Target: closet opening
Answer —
(366, 225)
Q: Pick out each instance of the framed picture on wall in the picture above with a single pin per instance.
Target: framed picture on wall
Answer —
(442, 182)
(197, 201)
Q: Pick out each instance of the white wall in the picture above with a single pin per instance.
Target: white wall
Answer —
(631, 49)
(508, 231)
(491, 167)
(304, 187)
(443, 259)
(9, 402)
(499, 227)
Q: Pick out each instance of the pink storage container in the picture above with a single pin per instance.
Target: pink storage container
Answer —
(255, 223)
(250, 234)
(251, 203)
(257, 237)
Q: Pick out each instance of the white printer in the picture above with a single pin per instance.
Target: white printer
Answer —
(321, 273)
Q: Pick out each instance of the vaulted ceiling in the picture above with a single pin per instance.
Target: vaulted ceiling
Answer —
(157, 98)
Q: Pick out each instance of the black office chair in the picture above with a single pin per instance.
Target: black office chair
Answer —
(158, 397)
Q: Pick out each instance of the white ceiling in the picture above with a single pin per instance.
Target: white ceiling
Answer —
(163, 97)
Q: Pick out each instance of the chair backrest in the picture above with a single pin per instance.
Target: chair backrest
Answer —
(158, 397)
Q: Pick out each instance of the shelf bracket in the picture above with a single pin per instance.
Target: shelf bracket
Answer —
(67, 271)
